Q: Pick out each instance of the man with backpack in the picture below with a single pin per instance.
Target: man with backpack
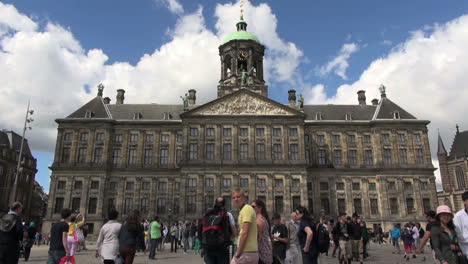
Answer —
(11, 234)
(215, 234)
(341, 230)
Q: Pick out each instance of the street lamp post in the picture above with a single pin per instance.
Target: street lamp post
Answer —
(15, 184)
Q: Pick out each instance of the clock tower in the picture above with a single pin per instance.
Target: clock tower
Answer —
(241, 62)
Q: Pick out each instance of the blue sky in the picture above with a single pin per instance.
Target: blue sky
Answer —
(324, 49)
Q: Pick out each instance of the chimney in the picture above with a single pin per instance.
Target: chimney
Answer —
(106, 100)
(361, 97)
(292, 97)
(375, 101)
(192, 98)
(120, 96)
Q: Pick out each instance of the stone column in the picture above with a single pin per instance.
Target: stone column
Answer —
(365, 201)
(51, 199)
(58, 145)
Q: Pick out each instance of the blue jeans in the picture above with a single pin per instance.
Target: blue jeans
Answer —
(153, 246)
(395, 243)
(54, 256)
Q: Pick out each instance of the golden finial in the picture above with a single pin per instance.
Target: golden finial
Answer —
(242, 3)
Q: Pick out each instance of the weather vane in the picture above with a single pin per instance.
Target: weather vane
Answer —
(242, 3)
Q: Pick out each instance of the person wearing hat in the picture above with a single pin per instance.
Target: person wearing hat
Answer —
(443, 236)
(461, 225)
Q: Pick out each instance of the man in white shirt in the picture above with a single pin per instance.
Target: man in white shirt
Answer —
(461, 225)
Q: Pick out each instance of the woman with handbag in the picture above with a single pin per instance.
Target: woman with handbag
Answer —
(73, 233)
(107, 245)
(444, 238)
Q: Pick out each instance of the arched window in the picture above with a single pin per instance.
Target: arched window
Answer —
(460, 175)
(227, 65)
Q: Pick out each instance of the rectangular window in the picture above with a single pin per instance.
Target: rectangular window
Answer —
(176, 207)
(192, 183)
(78, 185)
(386, 139)
(244, 132)
(191, 204)
(401, 138)
(392, 186)
(260, 132)
(164, 159)
(76, 204)
(210, 132)
(367, 139)
(84, 136)
(393, 206)
(132, 156)
(133, 138)
(417, 138)
(374, 206)
(307, 156)
(162, 186)
(309, 186)
(296, 201)
(110, 204)
(178, 156)
(410, 205)
(177, 186)
(161, 206)
(149, 138)
(260, 151)
(244, 151)
(128, 205)
(227, 132)
(227, 183)
(193, 151)
(118, 138)
(58, 205)
(419, 156)
(296, 183)
(97, 155)
(368, 158)
(129, 186)
(372, 186)
(322, 157)
(144, 205)
(356, 186)
(310, 205)
(276, 132)
(148, 159)
(352, 157)
(337, 157)
(387, 155)
(325, 204)
(244, 182)
(113, 186)
(279, 205)
(209, 183)
(92, 205)
(340, 186)
(277, 153)
(336, 140)
(403, 156)
(306, 139)
(99, 137)
(351, 139)
(293, 132)
(179, 138)
(227, 154)
(426, 204)
(193, 131)
(67, 137)
(424, 187)
(341, 206)
(164, 139)
(320, 139)
(210, 148)
(208, 203)
(324, 186)
(94, 185)
(145, 186)
(357, 206)
(65, 155)
(61, 185)
(261, 182)
(408, 186)
(82, 155)
(293, 152)
(279, 183)
(116, 156)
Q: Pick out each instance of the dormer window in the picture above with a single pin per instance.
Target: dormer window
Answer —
(137, 116)
(89, 114)
(318, 116)
(167, 116)
(348, 116)
(396, 115)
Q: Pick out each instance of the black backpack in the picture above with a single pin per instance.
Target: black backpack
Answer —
(215, 229)
(323, 239)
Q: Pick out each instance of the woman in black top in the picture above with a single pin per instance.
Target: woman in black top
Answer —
(131, 236)
(307, 236)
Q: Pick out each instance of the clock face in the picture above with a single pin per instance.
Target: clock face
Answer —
(243, 54)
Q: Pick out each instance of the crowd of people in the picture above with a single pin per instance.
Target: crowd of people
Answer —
(253, 238)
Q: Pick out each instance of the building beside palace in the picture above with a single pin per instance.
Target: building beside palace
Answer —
(453, 170)
(10, 145)
(174, 160)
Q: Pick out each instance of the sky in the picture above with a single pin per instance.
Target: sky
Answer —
(55, 53)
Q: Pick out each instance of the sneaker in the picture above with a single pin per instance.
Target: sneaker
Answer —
(414, 256)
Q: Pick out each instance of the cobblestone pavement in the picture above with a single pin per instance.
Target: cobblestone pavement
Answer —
(379, 254)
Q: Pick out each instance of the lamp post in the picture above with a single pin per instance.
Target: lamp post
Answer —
(18, 166)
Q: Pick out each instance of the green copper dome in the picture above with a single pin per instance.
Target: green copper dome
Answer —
(241, 33)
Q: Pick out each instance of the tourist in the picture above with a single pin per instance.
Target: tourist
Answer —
(28, 241)
(247, 244)
(193, 233)
(395, 234)
(279, 235)
(11, 234)
(107, 245)
(59, 238)
(335, 238)
(461, 225)
(174, 233)
(154, 235)
(263, 232)
(356, 239)
(292, 253)
(307, 237)
(421, 233)
(74, 237)
(379, 234)
(431, 221)
(186, 236)
(37, 239)
(131, 236)
(341, 230)
(365, 239)
(408, 240)
(415, 232)
(444, 237)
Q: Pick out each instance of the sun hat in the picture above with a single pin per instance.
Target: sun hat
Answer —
(443, 209)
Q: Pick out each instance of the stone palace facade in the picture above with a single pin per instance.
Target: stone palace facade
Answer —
(174, 160)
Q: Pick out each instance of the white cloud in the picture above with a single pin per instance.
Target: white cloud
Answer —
(426, 75)
(51, 67)
(173, 5)
(339, 64)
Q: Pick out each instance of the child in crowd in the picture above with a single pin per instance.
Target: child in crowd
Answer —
(408, 241)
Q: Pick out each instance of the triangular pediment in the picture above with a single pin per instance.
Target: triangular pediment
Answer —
(243, 103)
